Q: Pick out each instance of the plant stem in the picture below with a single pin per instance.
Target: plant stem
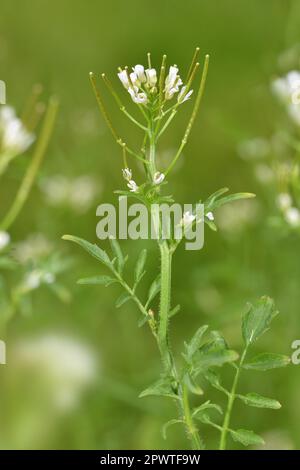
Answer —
(165, 294)
(190, 427)
(231, 398)
(163, 343)
(32, 170)
(152, 165)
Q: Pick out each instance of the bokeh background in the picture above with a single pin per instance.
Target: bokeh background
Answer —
(76, 364)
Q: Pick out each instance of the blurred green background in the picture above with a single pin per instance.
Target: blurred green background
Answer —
(57, 44)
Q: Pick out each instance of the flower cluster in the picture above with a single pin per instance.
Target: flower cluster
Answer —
(291, 214)
(14, 137)
(141, 83)
(288, 91)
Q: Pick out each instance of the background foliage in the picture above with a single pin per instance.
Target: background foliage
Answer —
(57, 44)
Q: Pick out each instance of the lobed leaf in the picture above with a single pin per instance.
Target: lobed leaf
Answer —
(139, 268)
(118, 253)
(258, 401)
(123, 299)
(168, 424)
(91, 248)
(257, 319)
(246, 437)
(163, 387)
(206, 406)
(267, 361)
(153, 290)
(100, 280)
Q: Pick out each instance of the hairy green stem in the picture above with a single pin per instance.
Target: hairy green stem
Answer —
(192, 431)
(231, 398)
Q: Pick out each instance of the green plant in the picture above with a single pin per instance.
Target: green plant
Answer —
(152, 95)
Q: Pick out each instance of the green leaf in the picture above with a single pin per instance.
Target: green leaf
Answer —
(163, 387)
(168, 424)
(247, 438)
(267, 361)
(213, 378)
(193, 386)
(257, 319)
(258, 401)
(139, 268)
(195, 343)
(102, 280)
(232, 197)
(206, 406)
(214, 358)
(91, 248)
(153, 291)
(174, 311)
(118, 253)
(211, 199)
(123, 299)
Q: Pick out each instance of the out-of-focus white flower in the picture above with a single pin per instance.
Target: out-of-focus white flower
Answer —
(33, 248)
(182, 97)
(172, 83)
(77, 193)
(187, 219)
(34, 279)
(158, 177)
(264, 173)
(4, 239)
(234, 218)
(133, 186)
(292, 216)
(151, 77)
(254, 149)
(288, 88)
(127, 174)
(288, 91)
(14, 137)
(65, 365)
(210, 216)
(284, 201)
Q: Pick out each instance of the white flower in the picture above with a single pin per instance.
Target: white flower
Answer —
(14, 137)
(127, 174)
(292, 216)
(78, 193)
(210, 216)
(182, 97)
(124, 78)
(158, 177)
(288, 87)
(172, 83)
(34, 248)
(4, 239)
(284, 201)
(133, 186)
(33, 280)
(63, 364)
(187, 218)
(151, 77)
(288, 91)
(140, 73)
(138, 97)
